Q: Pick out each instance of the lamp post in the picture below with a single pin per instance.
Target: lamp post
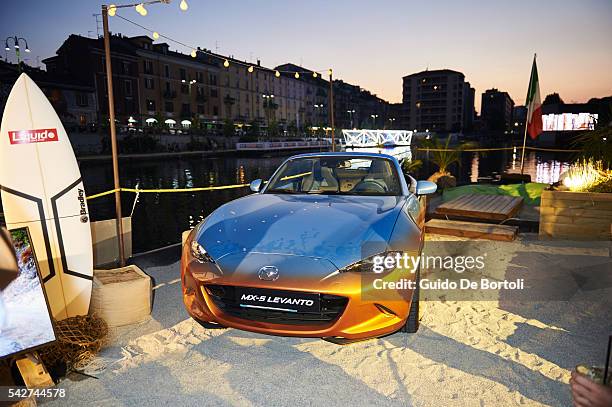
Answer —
(17, 48)
(373, 116)
(351, 112)
(106, 11)
(319, 106)
(392, 120)
(268, 98)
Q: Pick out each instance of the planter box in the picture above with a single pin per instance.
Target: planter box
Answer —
(576, 215)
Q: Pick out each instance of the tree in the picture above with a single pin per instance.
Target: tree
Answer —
(228, 128)
(553, 99)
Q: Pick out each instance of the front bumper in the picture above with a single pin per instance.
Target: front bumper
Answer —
(354, 318)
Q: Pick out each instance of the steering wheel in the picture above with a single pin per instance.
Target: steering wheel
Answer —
(370, 185)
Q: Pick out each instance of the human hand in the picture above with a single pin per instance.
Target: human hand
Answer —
(587, 393)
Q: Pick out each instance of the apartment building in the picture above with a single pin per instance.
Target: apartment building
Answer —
(438, 100)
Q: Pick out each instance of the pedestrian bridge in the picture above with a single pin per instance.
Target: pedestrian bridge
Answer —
(373, 138)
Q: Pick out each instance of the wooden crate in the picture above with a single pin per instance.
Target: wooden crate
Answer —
(576, 215)
(121, 296)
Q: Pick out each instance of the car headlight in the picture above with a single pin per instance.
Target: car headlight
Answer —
(379, 263)
(199, 253)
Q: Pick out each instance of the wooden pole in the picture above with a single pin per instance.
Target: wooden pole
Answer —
(113, 132)
(331, 109)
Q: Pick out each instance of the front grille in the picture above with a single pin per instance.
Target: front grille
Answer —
(224, 298)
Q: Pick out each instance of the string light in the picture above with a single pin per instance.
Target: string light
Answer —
(183, 6)
(140, 8)
(226, 63)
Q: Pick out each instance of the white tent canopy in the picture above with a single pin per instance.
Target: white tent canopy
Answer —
(151, 120)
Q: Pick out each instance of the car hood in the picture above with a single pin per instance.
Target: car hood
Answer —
(332, 227)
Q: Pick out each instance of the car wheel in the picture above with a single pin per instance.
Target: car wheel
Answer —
(412, 323)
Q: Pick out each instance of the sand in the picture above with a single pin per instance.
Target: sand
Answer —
(466, 353)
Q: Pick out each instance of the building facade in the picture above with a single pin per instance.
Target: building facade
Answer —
(75, 102)
(438, 100)
(155, 85)
(496, 110)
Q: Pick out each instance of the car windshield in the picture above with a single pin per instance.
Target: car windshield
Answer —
(336, 175)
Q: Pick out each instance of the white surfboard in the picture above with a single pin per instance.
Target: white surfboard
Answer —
(41, 188)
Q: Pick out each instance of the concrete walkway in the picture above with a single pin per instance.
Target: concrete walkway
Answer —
(467, 353)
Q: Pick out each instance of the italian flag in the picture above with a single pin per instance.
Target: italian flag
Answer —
(534, 106)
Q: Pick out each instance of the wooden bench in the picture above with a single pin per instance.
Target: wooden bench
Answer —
(471, 230)
(479, 206)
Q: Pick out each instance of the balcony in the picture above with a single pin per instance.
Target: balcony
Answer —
(169, 94)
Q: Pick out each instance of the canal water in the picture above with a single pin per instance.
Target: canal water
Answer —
(159, 218)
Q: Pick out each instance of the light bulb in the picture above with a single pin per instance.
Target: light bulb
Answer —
(330, 72)
(251, 69)
(155, 35)
(277, 74)
(140, 8)
(226, 63)
(297, 75)
(112, 10)
(193, 53)
(183, 6)
(314, 75)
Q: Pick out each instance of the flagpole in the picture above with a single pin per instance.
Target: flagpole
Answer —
(524, 141)
(526, 123)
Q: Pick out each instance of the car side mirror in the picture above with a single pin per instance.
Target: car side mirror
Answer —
(255, 185)
(426, 187)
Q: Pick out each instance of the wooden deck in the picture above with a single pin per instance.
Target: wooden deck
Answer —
(478, 206)
(471, 230)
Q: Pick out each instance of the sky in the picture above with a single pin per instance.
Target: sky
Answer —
(370, 43)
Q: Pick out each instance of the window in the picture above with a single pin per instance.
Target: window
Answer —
(199, 77)
(167, 71)
(215, 110)
(150, 105)
(168, 87)
(81, 99)
(213, 79)
(213, 93)
(186, 109)
(169, 107)
(127, 86)
(149, 83)
(183, 74)
(200, 109)
(126, 68)
(184, 89)
(148, 67)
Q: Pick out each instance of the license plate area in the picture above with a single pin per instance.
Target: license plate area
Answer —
(278, 300)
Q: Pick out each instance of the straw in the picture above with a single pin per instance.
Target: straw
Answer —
(605, 378)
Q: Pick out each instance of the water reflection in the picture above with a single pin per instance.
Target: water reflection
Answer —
(159, 218)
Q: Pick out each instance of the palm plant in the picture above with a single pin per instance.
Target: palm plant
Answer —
(443, 156)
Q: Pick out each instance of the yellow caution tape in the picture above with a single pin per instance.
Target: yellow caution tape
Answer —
(175, 190)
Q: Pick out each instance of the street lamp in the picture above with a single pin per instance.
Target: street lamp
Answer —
(15, 41)
(392, 119)
(106, 11)
(374, 116)
(351, 112)
(268, 97)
